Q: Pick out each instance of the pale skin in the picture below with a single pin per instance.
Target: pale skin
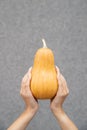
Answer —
(31, 105)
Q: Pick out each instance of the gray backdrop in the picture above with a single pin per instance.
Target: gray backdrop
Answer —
(23, 23)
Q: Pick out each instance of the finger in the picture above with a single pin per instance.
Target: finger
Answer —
(29, 72)
(27, 84)
(24, 79)
(60, 80)
(67, 90)
(25, 89)
(60, 88)
(64, 85)
(57, 69)
(27, 76)
(58, 72)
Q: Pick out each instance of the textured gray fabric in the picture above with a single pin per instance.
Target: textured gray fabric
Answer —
(23, 23)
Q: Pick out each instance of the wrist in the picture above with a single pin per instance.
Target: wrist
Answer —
(31, 111)
(58, 111)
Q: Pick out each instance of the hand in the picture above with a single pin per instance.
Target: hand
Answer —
(31, 105)
(30, 101)
(57, 102)
(63, 91)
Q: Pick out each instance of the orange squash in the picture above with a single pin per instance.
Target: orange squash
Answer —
(44, 84)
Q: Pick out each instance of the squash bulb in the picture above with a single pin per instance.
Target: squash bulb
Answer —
(44, 84)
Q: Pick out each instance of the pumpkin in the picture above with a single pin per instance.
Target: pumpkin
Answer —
(44, 84)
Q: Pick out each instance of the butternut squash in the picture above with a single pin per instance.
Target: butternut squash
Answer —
(44, 84)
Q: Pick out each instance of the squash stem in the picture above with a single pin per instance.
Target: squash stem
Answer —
(44, 43)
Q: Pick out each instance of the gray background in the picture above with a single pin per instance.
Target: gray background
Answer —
(63, 24)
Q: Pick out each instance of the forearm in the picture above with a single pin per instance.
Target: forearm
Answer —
(64, 121)
(22, 122)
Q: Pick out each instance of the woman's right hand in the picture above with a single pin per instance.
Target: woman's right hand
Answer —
(30, 102)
